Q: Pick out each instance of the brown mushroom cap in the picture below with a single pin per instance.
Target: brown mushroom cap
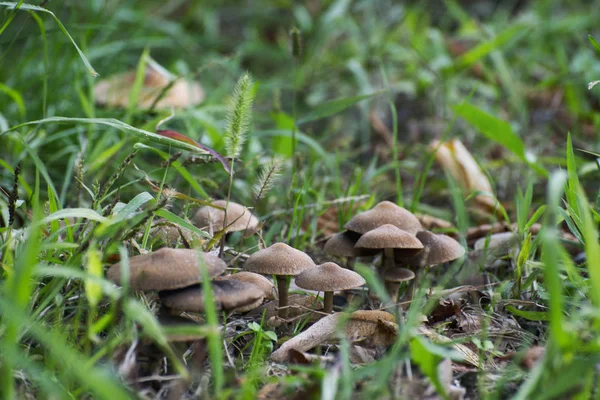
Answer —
(256, 279)
(114, 91)
(279, 259)
(167, 269)
(438, 250)
(328, 277)
(228, 294)
(389, 236)
(398, 275)
(342, 245)
(239, 218)
(383, 213)
(377, 327)
(170, 234)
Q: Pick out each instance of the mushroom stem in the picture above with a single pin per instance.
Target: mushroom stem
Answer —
(328, 302)
(282, 287)
(387, 259)
(392, 288)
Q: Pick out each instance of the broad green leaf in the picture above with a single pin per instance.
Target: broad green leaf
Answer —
(282, 144)
(333, 107)
(492, 127)
(497, 130)
(133, 205)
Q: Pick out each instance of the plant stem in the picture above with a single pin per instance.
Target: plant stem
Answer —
(222, 249)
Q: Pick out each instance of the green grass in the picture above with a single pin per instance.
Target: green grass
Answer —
(509, 81)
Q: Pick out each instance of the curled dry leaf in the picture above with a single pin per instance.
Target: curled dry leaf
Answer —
(454, 157)
(318, 333)
(373, 328)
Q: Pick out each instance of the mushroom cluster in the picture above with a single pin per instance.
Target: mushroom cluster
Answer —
(397, 234)
(284, 261)
(177, 276)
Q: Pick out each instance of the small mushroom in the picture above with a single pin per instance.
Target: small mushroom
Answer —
(383, 213)
(170, 234)
(394, 277)
(327, 278)
(167, 269)
(282, 261)
(114, 91)
(388, 237)
(438, 249)
(373, 326)
(256, 279)
(230, 295)
(239, 218)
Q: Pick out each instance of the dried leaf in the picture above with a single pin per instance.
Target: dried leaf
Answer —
(454, 158)
(318, 333)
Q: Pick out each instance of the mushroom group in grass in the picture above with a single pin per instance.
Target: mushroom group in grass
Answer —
(327, 278)
(282, 261)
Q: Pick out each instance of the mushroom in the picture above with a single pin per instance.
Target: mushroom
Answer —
(327, 278)
(388, 237)
(394, 277)
(383, 213)
(256, 279)
(115, 90)
(170, 234)
(438, 249)
(239, 218)
(282, 261)
(342, 245)
(374, 326)
(230, 295)
(167, 269)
